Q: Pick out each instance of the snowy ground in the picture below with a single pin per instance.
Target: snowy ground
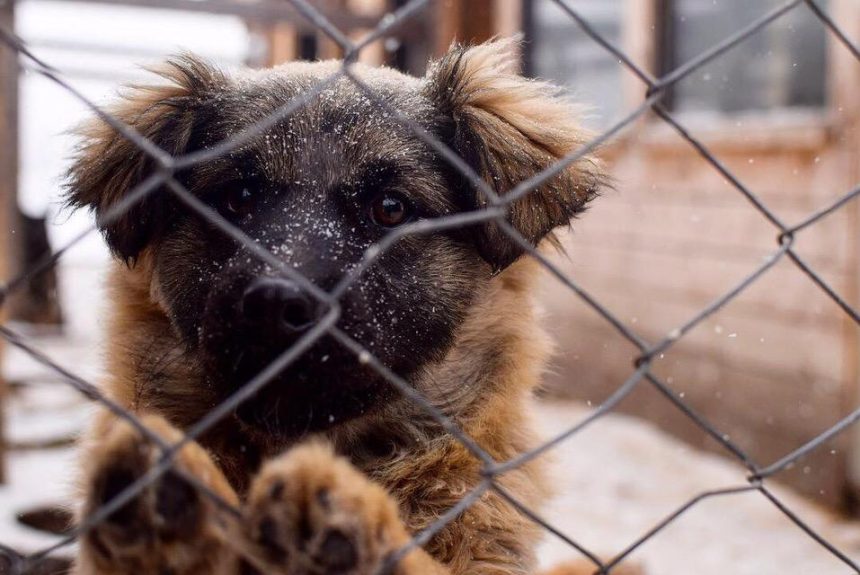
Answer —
(622, 476)
(615, 480)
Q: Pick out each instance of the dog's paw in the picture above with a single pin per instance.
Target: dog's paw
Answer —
(169, 527)
(311, 512)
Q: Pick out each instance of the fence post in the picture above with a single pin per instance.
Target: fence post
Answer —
(8, 176)
(842, 87)
(469, 22)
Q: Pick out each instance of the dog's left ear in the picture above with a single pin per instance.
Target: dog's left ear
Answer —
(509, 128)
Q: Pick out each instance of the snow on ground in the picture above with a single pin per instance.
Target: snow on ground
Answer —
(622, 476)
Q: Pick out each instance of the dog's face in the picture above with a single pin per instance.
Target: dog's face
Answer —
(316, 190)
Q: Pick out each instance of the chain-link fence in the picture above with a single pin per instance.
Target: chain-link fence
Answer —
(164, 176)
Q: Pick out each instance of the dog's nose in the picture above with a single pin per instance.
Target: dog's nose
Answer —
(277, 306)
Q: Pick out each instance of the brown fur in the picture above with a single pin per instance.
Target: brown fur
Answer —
(308, 510)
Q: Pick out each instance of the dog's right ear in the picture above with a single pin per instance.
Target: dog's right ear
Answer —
(510, 128)
(107, 166)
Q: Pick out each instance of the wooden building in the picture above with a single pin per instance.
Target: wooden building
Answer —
(779, 364)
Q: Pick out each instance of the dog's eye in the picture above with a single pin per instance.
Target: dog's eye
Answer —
(236, 202)
(389, 210)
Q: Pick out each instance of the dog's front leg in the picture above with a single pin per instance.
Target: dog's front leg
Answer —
(311, 512)
(170, 527)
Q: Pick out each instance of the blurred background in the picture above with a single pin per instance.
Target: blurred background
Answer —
(774, 368)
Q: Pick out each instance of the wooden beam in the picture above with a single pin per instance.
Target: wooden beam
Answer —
(466, 21)
(508, 17)
(283, 38)
(843, 78)
(374, 54)
(474, 22)
(280, 40)
(8, 176)
(253, 10)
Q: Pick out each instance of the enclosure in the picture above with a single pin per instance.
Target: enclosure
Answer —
(700, 403)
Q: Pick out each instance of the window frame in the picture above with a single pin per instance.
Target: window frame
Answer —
(781, 128)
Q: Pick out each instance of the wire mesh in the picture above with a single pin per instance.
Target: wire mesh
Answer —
(496, 211)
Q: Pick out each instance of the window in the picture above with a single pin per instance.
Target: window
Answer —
(780, 66)
(558, 50)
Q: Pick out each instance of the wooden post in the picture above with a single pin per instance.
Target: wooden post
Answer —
(288, 40)
(373, 54)
(280, 39)
(507, 17)
(467, 21)
(8, 174)
(845, 110)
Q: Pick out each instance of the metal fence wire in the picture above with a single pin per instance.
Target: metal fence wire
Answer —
(496, 210)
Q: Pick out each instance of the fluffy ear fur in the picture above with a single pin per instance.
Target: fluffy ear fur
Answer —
(107, 166)
(509, 128)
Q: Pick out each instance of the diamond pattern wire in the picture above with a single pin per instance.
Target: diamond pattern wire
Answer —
(496, 210)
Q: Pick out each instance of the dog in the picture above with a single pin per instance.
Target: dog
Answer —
(333, 469)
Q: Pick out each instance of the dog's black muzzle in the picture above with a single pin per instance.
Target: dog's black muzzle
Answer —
(274, 312)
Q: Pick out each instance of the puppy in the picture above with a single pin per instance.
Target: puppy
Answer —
(333, 468)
